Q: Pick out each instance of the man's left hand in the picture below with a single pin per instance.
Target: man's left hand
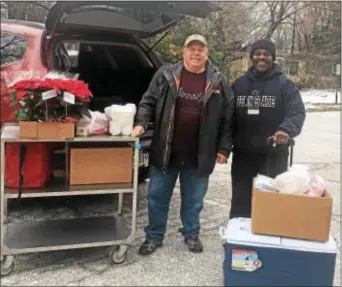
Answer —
(280, 137)
(221, 159)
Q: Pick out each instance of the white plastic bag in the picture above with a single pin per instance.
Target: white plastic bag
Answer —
(98, 124)
(316, 186)
(292, 182)
(121, 119)
(264, 183)
(300, 180)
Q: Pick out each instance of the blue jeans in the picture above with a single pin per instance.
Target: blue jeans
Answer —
(193, 188)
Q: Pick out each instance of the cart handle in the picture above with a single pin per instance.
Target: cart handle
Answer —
(270, 141)
(290, 142)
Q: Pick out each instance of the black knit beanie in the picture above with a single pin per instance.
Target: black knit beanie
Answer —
(264, 44)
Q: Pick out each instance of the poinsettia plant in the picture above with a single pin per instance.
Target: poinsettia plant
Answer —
(50, 99)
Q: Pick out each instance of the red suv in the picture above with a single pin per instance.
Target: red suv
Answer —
(20, 58)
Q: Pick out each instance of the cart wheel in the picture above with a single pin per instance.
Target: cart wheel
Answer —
(7, 265)
(118, 255)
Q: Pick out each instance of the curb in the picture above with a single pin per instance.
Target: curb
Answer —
(323, 108)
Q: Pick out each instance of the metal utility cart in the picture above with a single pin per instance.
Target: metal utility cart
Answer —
(49, 235)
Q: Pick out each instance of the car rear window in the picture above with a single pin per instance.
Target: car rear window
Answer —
(12, 48)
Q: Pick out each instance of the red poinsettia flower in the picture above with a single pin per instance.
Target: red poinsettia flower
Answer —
(21, 85)
(20, 94)
(76, 87)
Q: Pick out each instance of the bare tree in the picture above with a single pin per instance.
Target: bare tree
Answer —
(271, 16)
(29, 10)
(319, 25)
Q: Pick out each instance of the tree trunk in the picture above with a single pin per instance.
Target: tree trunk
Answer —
(293, 33)
(271, 31)
(307, 43)
(299, 41)
(286, 44)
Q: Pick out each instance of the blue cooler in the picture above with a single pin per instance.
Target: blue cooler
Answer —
(259, 260)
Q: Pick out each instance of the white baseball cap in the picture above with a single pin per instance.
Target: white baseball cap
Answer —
(195, 37)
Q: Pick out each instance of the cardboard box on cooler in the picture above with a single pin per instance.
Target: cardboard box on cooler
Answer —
(293, 216)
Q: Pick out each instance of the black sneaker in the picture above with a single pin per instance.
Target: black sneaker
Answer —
(194, 244)
(148, 247)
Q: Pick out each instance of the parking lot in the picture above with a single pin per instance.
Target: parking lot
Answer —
(172, 265)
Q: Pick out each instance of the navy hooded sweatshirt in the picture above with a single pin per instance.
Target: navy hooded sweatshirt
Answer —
(263, 105)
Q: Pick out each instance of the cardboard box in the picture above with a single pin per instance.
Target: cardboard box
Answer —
(293, 216)
(52, 130)
(48, 130)
(101, 165)
(28, 129)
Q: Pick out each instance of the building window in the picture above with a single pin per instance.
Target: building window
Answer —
(336, 69)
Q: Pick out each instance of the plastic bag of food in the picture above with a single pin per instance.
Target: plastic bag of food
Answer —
(98, 124)
(316, 186)
(292, 182)
(300, 180)
(265, 183)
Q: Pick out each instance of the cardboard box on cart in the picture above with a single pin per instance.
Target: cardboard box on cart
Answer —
(46, 130)
(293, 216)
(101, 165)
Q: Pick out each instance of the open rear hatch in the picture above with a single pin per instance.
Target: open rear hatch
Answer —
(135, 18)
(127, 18)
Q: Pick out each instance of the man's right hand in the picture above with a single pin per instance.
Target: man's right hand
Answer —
(137, 131)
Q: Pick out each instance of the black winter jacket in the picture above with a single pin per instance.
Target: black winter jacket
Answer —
(262, 107)
(158, 105)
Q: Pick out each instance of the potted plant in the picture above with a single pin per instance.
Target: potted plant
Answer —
(49, 107)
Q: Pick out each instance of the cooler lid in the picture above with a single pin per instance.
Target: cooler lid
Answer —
(238, 231)
(307, 245)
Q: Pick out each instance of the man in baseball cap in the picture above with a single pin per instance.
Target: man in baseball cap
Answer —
(192, 106)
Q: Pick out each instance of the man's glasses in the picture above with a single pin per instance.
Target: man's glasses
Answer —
(265, 54)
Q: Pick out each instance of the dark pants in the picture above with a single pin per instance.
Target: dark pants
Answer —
(245, 167)
(193, 188)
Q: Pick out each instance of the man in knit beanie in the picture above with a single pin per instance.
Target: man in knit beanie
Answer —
(267, 104)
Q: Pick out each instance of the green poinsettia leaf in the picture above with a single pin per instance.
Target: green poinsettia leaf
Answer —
(13, 99)
(22, 116)
(12, 104)
(12, 95)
